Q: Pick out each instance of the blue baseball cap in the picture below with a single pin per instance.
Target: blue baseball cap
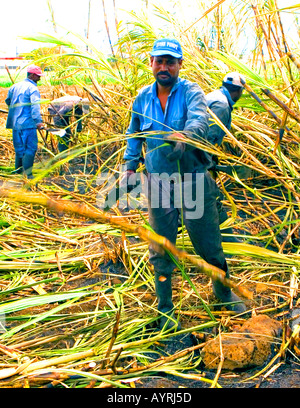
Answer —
(167, 46)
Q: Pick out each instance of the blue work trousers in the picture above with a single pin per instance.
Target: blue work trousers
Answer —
(25, 142)
(204, 231)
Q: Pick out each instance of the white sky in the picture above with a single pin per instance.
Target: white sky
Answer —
(30, 17)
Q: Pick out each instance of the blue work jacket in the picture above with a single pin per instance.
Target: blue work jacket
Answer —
(221, 103)
(23, 100)
(185, 111)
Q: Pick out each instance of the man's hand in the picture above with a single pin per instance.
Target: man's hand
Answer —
(125, 183)
(177, 152)
(179, 147)
(40, 126)
(174, 137)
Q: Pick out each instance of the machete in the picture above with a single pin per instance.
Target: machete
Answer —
(54, 131)
(57, 132)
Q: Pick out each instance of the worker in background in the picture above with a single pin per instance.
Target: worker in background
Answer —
(24, 118)
(221, 102)
(170, 107)
(61, 110)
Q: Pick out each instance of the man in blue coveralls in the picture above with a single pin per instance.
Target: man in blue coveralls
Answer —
(165, 110)
(24, 118)
(221, 102)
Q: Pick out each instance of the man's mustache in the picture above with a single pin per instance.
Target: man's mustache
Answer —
(164, 73)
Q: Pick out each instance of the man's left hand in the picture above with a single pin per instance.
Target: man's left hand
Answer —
(179, 147)
(177, 152)
(174, 137)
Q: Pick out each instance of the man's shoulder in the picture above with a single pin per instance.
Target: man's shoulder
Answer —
(29, 84)
(186, 83)
(24, 85)
(16, 85)
(216, 97)
(145, 90)
(16, 88)
(190, 89)
(145, 93)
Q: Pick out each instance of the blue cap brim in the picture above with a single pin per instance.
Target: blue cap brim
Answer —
(161, 52)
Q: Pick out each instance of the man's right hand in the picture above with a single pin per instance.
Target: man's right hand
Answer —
(125, 183)
(40, 126)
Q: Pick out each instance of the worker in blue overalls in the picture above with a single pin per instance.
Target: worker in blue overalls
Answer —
(24, 118)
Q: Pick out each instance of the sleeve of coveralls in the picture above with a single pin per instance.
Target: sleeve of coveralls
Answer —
(35, 101)
(215, 133)
(134, 144)
(8, 98)
(197, 116)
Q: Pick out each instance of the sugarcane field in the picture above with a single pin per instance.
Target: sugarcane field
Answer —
(150, 198)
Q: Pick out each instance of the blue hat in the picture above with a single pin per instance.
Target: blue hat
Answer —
(167, 46)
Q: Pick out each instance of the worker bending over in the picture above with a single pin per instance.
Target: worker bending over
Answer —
(221, 102)
(61, 110)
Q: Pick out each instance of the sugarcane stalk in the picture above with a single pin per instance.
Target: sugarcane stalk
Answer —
(87, 211)
(280, 132)
(205, 14)
(11, 371)
(265, 106)
(39, 365)
(256, 97)
(285, 44)
(293, 59)
(109, 38)
(57, 376)
(33, 365)
(9, 74)
(113, 337)
(285, 107)
(116, 358)
(273, 51)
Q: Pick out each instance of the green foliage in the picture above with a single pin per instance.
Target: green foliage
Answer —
(56, 52)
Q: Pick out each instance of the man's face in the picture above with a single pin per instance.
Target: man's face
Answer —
(35, 78)
(236, 96)
(165, 69)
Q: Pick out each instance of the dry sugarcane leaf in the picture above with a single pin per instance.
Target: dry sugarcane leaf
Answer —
(37, 287)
